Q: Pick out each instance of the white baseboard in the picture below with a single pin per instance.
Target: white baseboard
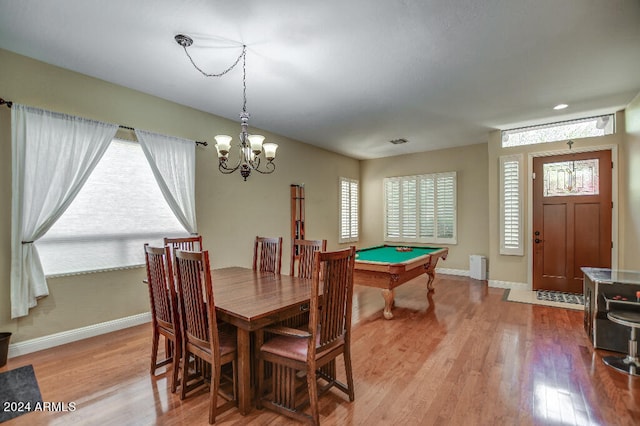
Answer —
(509, 284)
(491, 283)
(446, 271)
(57, 339)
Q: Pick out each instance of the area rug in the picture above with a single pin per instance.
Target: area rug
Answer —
(557, 296)
(531, 297)
(19, 392)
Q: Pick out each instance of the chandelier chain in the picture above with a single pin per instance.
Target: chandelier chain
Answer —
(251, 146)
(244, 51)
(244, 79)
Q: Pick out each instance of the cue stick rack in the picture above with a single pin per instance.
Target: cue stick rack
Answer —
(297, 215)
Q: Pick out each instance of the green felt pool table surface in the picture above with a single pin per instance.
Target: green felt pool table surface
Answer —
(390, 254)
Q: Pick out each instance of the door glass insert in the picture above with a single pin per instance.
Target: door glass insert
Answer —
(579, 177)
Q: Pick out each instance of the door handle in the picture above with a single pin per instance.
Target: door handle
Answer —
(537, 241)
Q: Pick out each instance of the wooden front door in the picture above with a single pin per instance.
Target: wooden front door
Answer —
(571, 218)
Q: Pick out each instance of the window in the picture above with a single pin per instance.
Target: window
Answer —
(511, 205)
(574, 129)
(118, 210)
(421, 208)
(580, 177)
(348, 210)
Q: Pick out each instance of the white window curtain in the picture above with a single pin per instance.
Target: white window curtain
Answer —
(173, 162)
(53, 154)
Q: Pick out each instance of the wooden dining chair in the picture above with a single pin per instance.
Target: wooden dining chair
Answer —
(267, 254)
(164, 310)
(313, 351)
(201, 336)
(302, 252)
(192, 243)
(302, 256)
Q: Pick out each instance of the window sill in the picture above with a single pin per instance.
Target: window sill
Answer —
(94, 271)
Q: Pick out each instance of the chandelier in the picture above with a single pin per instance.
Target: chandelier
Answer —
(251, 146)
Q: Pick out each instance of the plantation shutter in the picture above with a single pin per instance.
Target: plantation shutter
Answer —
(427, 208)
(348, 210)
(353, 191)
(446, 205)
(392, 208)
(511, 206)
(421, 208)
(409, 216)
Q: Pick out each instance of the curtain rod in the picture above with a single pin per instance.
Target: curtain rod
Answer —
(205, 143)
(10, 104)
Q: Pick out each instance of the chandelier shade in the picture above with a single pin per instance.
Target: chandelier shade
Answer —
(251, 148)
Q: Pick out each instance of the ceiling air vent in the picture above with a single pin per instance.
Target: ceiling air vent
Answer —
(399, 141)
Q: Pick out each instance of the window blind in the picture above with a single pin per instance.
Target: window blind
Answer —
(392, 208)
(118, 210)
(421, 208)
(511, 206)
(348, 210)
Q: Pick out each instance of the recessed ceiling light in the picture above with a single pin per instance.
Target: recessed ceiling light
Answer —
(560, 106)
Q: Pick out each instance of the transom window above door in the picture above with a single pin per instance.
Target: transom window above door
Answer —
(573, 129)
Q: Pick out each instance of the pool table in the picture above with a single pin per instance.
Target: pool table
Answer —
(389, 266)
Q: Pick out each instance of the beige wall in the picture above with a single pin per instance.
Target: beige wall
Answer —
(516, 269)
(630, 207)
(230, 212)
(470, 163)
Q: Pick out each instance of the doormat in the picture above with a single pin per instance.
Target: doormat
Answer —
(19, 392)
(557, 296)
(530, 297)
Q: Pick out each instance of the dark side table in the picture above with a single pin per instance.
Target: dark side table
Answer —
(609, 290)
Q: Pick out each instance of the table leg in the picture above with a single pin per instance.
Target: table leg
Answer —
(431, 274)
(244, 372)
(388, 303)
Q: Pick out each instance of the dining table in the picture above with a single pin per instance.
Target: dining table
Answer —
(252, 300)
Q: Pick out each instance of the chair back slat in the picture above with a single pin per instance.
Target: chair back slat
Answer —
(302, 256)
(161, 291)
(195, 294)
(192, 243)
(267, 254)
(333, 289)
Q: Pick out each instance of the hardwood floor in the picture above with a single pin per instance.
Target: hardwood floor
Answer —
(461, 357)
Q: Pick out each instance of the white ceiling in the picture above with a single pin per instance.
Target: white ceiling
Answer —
(352, 75)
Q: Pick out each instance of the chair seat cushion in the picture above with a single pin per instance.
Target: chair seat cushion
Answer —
(295, 347)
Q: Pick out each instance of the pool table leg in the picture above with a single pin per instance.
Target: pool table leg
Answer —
(431, 274)
(388, 303)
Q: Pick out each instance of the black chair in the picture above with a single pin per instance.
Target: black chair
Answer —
(629, 364)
